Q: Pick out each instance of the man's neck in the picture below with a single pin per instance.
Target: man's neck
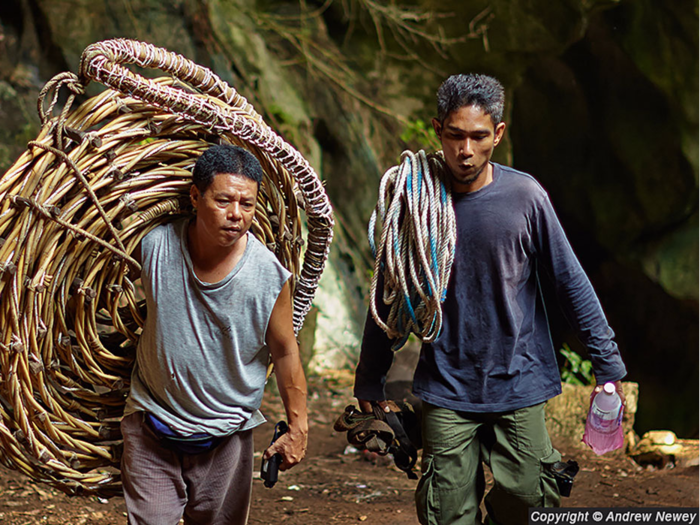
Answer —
(212, 263)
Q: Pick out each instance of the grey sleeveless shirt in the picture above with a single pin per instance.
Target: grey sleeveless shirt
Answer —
(201, 360)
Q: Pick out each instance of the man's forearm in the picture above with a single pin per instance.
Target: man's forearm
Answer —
(376, 357)
(291, 383)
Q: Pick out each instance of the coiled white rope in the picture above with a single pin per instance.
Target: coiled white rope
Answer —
(416, 247)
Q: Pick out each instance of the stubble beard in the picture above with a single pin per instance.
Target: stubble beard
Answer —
(472, 178)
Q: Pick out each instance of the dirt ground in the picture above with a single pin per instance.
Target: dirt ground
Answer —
(336, 484)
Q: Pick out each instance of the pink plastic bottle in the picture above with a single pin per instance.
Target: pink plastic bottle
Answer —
(603, 431)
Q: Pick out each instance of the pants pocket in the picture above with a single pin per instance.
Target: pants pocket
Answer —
(532, 485)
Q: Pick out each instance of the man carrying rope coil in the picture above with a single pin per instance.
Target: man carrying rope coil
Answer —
(217, 300)
(484, 377)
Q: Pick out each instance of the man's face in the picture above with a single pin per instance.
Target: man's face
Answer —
(468, 137)
(225, 210)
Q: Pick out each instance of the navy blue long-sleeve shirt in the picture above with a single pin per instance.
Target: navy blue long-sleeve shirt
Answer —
(494, 352)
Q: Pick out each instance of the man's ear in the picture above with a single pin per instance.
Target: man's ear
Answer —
(437, 127)
(498, 133)
(194, 193)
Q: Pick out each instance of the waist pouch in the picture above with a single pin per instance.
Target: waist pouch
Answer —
(192, 444)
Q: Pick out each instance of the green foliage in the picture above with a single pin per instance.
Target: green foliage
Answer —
(283, 122)
(279, 113)
(422, 133)
(576, 370)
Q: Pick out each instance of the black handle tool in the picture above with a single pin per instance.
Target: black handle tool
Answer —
(270, 467)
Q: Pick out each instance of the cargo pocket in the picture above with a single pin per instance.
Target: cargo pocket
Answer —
(548, 483)
(426, 506)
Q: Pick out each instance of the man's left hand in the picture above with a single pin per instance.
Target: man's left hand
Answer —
(291, 446)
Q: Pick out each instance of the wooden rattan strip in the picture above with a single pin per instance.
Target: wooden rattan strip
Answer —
(75, 205)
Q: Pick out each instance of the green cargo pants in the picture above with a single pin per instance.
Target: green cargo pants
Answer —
(516, 447)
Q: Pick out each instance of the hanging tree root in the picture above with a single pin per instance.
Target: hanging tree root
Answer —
(74, 206)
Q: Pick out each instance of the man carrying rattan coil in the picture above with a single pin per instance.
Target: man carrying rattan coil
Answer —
(484, 380)
(217, 300)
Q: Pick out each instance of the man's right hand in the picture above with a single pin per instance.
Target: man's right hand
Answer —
(290, 445)
(366, 406)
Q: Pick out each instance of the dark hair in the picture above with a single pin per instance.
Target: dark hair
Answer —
(225, 159)
(460, 91)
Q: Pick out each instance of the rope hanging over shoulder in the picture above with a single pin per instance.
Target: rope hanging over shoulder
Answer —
(416, 247)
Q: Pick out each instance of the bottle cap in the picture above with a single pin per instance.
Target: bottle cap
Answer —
(609, 388)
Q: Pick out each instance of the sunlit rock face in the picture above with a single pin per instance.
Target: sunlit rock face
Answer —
(602, 109)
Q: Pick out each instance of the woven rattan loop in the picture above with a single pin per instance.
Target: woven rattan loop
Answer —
(73, 208)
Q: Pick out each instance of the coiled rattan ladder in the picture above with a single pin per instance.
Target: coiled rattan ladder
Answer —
(72, 209)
